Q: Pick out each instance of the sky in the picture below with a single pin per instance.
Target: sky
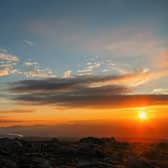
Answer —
(79, 68)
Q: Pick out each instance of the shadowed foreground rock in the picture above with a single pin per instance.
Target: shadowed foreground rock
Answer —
(88, 152)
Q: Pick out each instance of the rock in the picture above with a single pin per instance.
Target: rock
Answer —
(9, 146)
(40, 163)
(7, 163)
(89, 150)
(91, 140)
(98, 141)
(139, 163)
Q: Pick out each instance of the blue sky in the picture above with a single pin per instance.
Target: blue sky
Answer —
(61, 34)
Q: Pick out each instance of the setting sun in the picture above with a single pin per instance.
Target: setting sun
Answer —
(142, 115)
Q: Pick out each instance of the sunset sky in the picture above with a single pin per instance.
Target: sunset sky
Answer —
(80, 68)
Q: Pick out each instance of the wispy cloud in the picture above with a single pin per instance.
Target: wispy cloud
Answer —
(7, 64)
(33, 69)
(37, 72)
(89, 68)
(131, 41)
(28, 43)
(30, 63)
(135, 40)
(4, 121)
(65, 83)
(160, 91)
(16, 111)
(11, 64)
(88, 91)
(133, 79)
(8, 57)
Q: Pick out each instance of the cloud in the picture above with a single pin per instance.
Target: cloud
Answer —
(88, 70)
(57, 84)
(30, 63)
(131, 41)
(160, 91)
(8, 57)
(16, 111)
(93, 101)
(7, 64)
(7, 71)
(67, 74)
(5, 121)
(37, 72)
(133, 79)
(127, 43)
(28, 43)
(4, 72)
(34, 70)
(87, 91)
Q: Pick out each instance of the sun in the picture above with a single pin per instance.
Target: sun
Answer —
(142, 115)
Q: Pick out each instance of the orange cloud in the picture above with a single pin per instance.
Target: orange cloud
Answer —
(4, 72)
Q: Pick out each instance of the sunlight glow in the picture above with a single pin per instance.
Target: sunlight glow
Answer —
(142, 115)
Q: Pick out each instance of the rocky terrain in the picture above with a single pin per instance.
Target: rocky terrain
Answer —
(88, 152)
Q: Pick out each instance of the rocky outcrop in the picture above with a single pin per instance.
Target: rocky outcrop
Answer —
(88, 152)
